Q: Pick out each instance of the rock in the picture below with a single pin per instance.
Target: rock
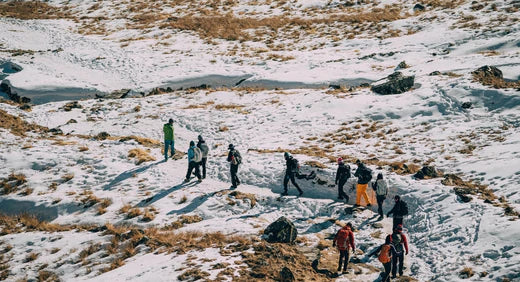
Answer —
(349, 210)
(427, 172)
(467, 105)
(10, 67)
(402, 65)
(117, 94)
(435, 73)
(488, 72)
(72, 121)
(321, 181)
(418, 8)
(395, 83)
(462, 193)
(56, 131)
(25, 107)
(452, 180)
(71, 105)
(286, 275)
(5, 87)
(377, 225)
(281, 231)
(464, 198)
(102, 136)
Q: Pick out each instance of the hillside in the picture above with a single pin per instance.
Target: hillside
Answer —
(268, 77)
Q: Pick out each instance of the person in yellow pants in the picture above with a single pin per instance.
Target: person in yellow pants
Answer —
(364, 175)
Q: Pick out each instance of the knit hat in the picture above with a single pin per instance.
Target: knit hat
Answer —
(192, 143)
(340, 160)
(170, 120)
(286, 155)
(231, 147)
(200, 138)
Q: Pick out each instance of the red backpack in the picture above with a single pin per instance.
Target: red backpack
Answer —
(342, 239)
(384, 254)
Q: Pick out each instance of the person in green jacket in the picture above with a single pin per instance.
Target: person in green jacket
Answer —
(168, 139)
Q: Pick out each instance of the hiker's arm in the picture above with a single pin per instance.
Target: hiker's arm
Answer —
(391, 211)
(352, 241)
(405, 242)
(337, 176)
(334, 241)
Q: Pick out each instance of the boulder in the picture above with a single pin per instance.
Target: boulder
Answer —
(488, 72)
(117, 94)
(418, 8)
(10, 67)
(395, 83)
(281, 231)
(72, 105)
(433, 73)
(5, 87)
(286, 275)
(427, 172)
(452, 180)
(467, 105)
(102, 136)
(402, 65)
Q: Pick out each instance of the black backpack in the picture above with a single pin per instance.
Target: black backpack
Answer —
(237, 157)
(397, 241)
(365, 175)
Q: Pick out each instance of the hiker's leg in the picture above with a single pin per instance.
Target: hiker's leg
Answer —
(190, 168)
(173, 148)
(166, 145)
(197, 170)
(380, 200)
(394, 222)
(394, 265)
(358, 194)
(398, 220)
(293, 181)
(345, 264)
(341, 257)
(233, 171)
(364, 193)
(386, 274)
(204, 160)
(401, 263)
(341, 192)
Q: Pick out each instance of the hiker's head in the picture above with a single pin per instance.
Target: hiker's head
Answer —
(397, 198)
(388, 240)
(380, 175)
(349, 224)
(286, 155)
(358, 161)
(340, 160)
(192, 143)
(170, 121)
(200, 138)
(398, 228)
(231, 147)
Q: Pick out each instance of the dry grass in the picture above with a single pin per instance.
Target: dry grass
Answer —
(61, 142)
(88, 199)
(243, 196)
(17, 126)
(200, 106)
(183, 199)
(49, 276)
(223, 128)
(495, 82)
(125, 208)
(27, 10)
(140, 155)
(133, 212)
(83, 148)
(193, 274)
(91, 249)
(31, 257)
(445, 4)
(466, 272)
(184, 219)
(147, 142)
(12, 183)
(67, 177)
(315, 164)
(148, 216)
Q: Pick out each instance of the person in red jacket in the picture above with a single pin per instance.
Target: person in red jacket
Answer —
(344, 241)
(400, 243)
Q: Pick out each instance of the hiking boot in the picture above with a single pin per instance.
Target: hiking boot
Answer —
(369, 205)
(186, 180)
(284, 193)
(199, 180)
(301, 193)
(340, 198)
(339, 269)
(345, 272)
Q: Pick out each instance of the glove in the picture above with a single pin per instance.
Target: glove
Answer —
(334, 244)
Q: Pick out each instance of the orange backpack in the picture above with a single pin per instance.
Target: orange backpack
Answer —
(384, 254)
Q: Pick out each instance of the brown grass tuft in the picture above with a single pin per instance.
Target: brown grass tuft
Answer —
(315, 164)
(28, 10)
(83, 148)
(147, 142)
(183, 199)
(12, 183)
(140, 155)
(45, 275)
(466, 272)
(184, 219)
(243, 196)
(31, 257)
(17, 126)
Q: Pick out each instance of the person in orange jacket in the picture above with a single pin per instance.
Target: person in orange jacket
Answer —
(344, 241)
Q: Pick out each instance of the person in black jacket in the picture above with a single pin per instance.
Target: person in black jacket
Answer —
(364, 175)
(400, 210)
(290, 172)
(204, 149)
(234, 160)
(342, 176)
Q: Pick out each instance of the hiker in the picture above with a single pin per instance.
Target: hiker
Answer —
(400, 210)
(385, 254)
(168, 139)
(344, 241)
(342, 176)
(380, 186)
(204, 149)
(290, 172)
(194, 158)
(364, 175)
(400, 244)
(234, 160)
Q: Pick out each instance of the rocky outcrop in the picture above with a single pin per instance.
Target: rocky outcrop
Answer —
(117, 94)
(286, 275)
(427, 172)
(395, 83)
(281, 231)
(5, 87)
(488, 72)
(418, 8)
(463, 192)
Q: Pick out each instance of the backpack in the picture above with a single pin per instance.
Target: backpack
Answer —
(403, 208)
(296, 165)
(342, 239)
(197, 155)
(384, 254)
(237, 159)
(397, 241)
(204, 149)
(365, 175)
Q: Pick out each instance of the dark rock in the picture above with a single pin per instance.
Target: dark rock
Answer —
(488, 72)
(5, 87)
(395, 83)
(25, 107)
(98, 229)
(488, 201)
(72, 121)
(334, 86)
(71, 105)
(418, 7)
(286, 275)
(142, 241)
(462, 192)
(364, 84)
(321, 181)
(427, 172)
(467, 105)
(356, 259)
(402, 65)
(452, 180)
(56, 131)
(102, 136)
(10, 67)
(117, 94)
(281, 231)
(435, 73)
(349, 210)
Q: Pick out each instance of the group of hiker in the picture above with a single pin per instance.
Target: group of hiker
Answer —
(391, 253)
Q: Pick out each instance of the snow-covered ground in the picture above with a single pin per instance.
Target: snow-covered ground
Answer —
(426, 125)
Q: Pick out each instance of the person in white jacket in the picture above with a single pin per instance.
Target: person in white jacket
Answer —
(381, 188)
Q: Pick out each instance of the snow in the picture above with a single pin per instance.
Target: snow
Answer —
(428, 125)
